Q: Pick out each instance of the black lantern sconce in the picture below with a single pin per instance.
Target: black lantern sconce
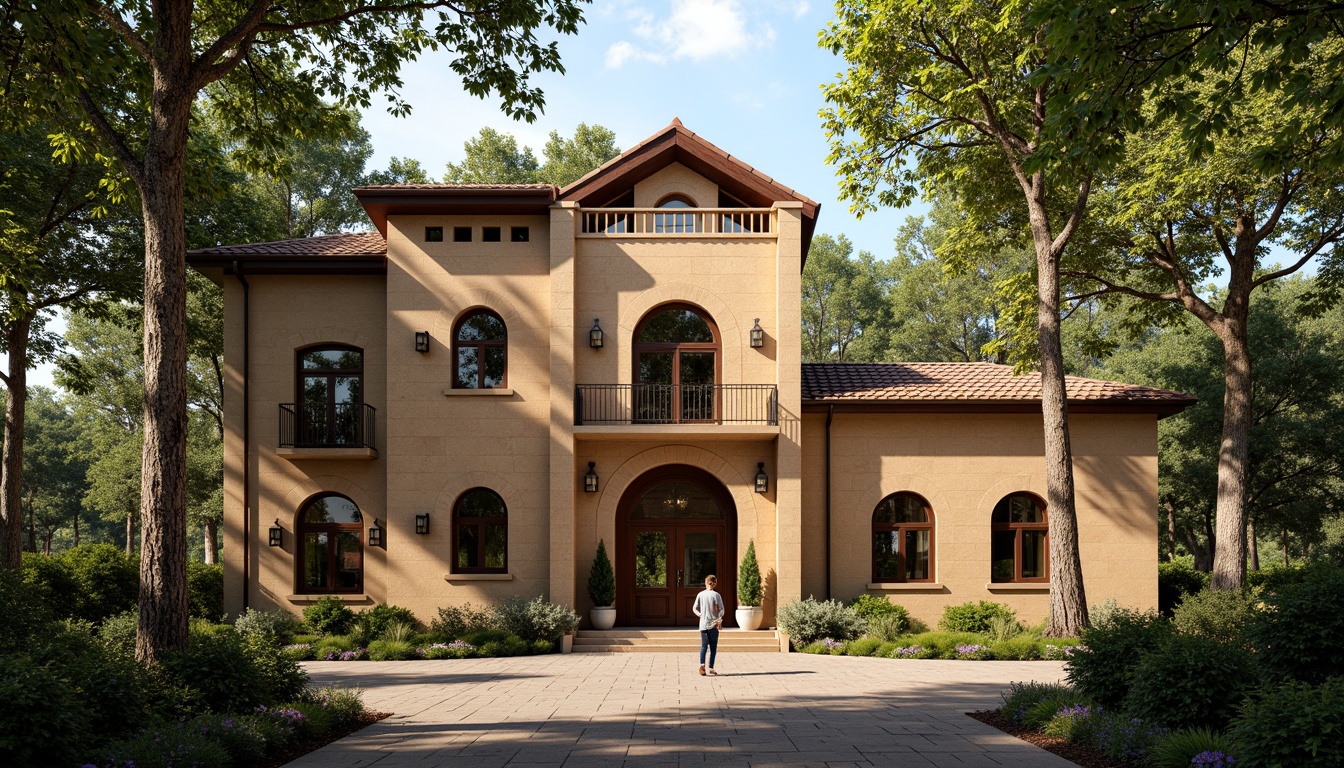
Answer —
(590, 479)
(762, 479)
(277, 533)
(422, 524)
(757, 334)
(422, 341)
(375, 534)
(595, 335)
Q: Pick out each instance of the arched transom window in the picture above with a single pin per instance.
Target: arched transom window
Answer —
(902, 539)
(681, 223)
(331, 551)
(480, 533)
(1020, 543)
(480, 351)
(676, 353)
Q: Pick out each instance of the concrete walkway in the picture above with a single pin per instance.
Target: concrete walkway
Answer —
(653, 710)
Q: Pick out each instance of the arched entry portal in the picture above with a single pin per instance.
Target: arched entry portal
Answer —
(675, 525)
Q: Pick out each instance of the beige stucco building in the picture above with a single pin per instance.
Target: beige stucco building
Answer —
(459, 405)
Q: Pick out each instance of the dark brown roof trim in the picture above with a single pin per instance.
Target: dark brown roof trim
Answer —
(269, 265)
(1162, 408)
(454, 200)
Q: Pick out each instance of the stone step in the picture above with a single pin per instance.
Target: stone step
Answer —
(687, 649)
(671, 640)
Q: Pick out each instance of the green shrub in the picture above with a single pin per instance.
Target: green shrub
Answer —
(864, 646)
(1221, 614)
(871, 606)
(1299, 632)
(49, 579)
(1021, 697)
(41, 722)
(1111, 651)
(542, 647)
(889, 628)
(887, 648)
(1003, 628)
(168, 746)
(1101, 613)
(1178, 748)
(333, 644)
(479, 639)
(535, 619)
(89, 582)
(391, 650)
(1292, 724)
(329, 616)
(457, 649)
(300, 651)
(118, 632)
(509, 646)
(239, 735)
(374, 622)
(1122, 737)
(279, 626)
(1177, 578)
(601, 578)
(1072, 724)
(205, 591)
(807, 620)
(1045, 710)
(316, 723)
(749, 578)
(1020, 648)
(346, 705)
(943, 645)
(973, 617)
(230, 673)
(1188, 682)
(459, 621)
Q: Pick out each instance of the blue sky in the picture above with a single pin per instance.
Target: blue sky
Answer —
(744, 74)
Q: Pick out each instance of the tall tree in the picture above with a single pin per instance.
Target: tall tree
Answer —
(1170, 222)
(52, 227)
(54, 470)
(136, 75)
(844, 313)
(568, 160)
(312, 177)
(493, 158)
(400, 171)
(938, 96)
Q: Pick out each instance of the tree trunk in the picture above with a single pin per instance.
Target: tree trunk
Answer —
(130, 533)
(211, 542)
(1255, 546)
(76, 530)
(11, 454)
(1171, 531)
(32, 532)
(1229, 554)
(1068, 600)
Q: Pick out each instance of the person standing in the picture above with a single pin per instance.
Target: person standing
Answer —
(709, 607)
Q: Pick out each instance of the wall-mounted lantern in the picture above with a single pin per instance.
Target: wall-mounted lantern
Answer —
(277, 534)
(590, 479)
(762, 480)
(375, 534)
(422, 524)
(422, 341)
(757, 334)
(595, 335)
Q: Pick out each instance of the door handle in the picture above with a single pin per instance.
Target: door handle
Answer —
(678, 578)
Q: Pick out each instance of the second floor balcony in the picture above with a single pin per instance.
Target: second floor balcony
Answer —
(327, 431)
(724, 410)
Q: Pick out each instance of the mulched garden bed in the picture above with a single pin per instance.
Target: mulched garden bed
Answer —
(1087, 757)
(299, 749)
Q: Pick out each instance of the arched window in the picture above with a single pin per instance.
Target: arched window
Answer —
(480, 533)
(676, 354)
(331, 551)
(331, 395)
(1020, 540)
(676, 223)
(480, 351)
(902, 539)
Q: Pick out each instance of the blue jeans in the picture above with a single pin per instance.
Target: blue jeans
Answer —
(709, 640)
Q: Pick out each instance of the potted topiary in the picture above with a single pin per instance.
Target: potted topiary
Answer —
(749, 590)
(602, 590)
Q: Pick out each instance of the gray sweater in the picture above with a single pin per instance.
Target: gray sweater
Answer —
(709, 607)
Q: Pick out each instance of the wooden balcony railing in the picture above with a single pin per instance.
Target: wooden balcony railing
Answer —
(596, 404)
(676, 222)
(343, 425)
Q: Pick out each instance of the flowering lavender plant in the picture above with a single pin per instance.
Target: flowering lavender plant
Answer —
(972, 651)
(908, 652)
(1212, 759)
(832, 644)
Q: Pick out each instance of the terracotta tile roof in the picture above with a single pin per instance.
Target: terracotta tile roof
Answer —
(961, 383)
(457, 186)
(321, 246)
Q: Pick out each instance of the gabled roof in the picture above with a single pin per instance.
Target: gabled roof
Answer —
(970, 386)
(354, 253)
(677, 144)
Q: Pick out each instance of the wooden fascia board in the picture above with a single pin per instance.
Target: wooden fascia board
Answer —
(381, 203)
(1160, 408)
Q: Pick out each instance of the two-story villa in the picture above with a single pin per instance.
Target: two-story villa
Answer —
(460, 404)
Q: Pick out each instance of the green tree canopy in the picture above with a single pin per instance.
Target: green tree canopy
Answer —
(493, 157)
(844, 313)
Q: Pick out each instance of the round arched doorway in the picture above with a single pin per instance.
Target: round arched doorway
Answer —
(676, 525)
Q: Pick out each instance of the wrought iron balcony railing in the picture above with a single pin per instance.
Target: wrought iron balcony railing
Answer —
(325, 425)
(596, 404)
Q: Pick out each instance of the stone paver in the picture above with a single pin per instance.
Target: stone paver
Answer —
(653, 710)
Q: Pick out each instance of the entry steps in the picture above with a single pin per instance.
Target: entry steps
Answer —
(672, 641)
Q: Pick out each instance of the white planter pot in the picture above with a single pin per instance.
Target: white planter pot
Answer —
(749, 617)
(603, 618)
(567, 643)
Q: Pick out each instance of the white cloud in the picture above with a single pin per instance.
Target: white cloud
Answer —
(800, 9)
(695, 30)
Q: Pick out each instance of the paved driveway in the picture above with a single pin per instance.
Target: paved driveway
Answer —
(653, 710)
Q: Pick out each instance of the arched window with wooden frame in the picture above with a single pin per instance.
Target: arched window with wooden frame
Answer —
(480, 351)
(903, 539)
(331, 546)
(677, 356)
(330, 383)
(480, 533)
(681, 223)
(1020, 540)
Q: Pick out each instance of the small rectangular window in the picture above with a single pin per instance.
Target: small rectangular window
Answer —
(518, 234)
(461, 234)
(490, 234)
(433, 234)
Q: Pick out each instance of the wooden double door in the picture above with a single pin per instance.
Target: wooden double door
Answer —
(678, 529)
